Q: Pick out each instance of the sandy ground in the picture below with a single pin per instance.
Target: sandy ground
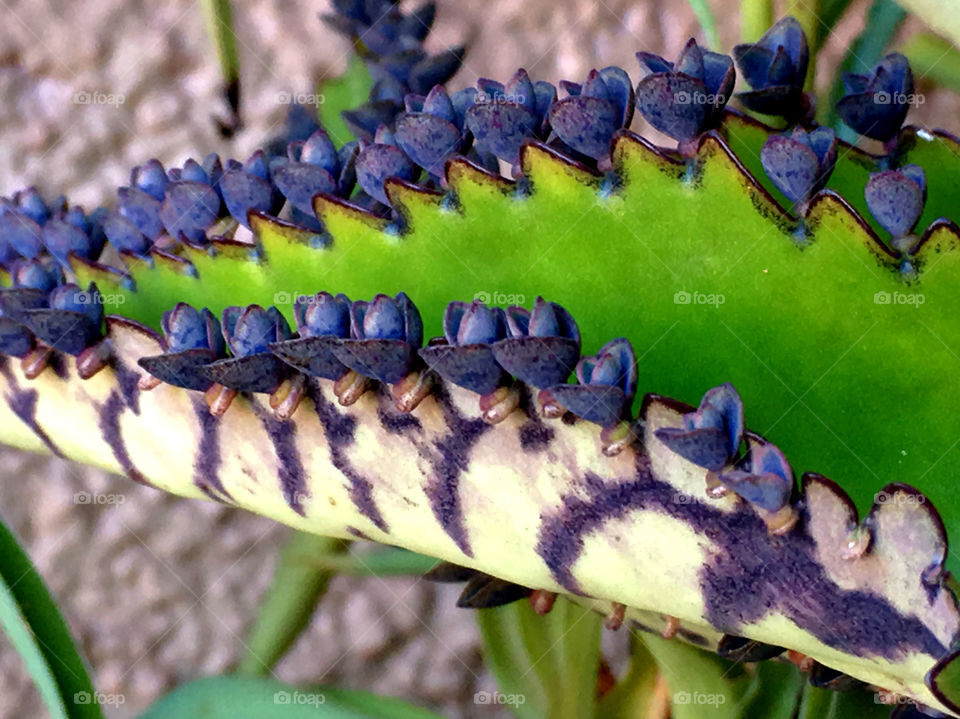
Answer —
(160, 590)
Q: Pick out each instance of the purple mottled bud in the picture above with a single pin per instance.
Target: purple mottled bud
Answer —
(258, 165)
(542, 346)
(586, 124)
(318, 149)
(22, 232)
(250, 330)
(685, 99)
(31, 204)
(500, 128)
(547, 319)
(710, 436)
(876, 103)
(61, 238)
(38, 274)
(124, 235)
(300, 182)
(463, 100)
(189, 209)
(896, 198)
(438, 103)
(775, 67)
(186, 328)
(142, 210)
(764, 479)
(382, 319)
(473, 323)
(364, 120)
(800, 164)
(615, 365)
(378, 162)
(151, 178)
(243, 191)
(87, 302)
(427, 140)
(193, 171)
(323, 315)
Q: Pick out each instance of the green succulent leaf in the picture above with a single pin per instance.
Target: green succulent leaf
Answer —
(299, 582)
(35, 627)
(341, 93)
(934, 59)
(544, 666)
(230, 697)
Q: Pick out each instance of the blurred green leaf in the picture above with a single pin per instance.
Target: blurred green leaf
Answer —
(933, 59)
(298, 583)
(343, 93)
(377, 562)
(546, 666)
(883, 20)
(707, 22)
(37, 630)
(942, 16)
(701, 682)
(807, 12)
(776, 691)
(255, 698)
(830, 13)
(634, 695)
(755, 17)
(825, 704)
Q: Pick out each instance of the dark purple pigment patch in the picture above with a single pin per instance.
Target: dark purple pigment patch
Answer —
(206, 466)
(357, 533)
(109, 423)
(752, 574)
(293, 483)
(128, 381)
(339, 430)
(535, 436)
(443, 490)
(23, 403)
(393, 421)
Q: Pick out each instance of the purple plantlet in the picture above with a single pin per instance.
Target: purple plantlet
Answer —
(142, 209)
(193, 338)
(248, 332)
(876, 103)
(23, 233)
(71, 322)
(775, 67)
(799, 164)
(385, 335)
(151, 178)
(542, 346)
(376, 163)
(710, 436)
(300, 182)
(189, 209)
(607, 384)
(895, 199)
(426, 139)
(466, 358)
(322, 320)
(685, 99)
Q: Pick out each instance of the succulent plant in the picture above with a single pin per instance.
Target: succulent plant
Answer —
(425, 445)
(876, 103)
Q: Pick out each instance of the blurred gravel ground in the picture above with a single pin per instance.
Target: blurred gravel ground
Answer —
(160, 590)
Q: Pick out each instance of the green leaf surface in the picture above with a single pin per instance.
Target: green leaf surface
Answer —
(701, 8)
(341, 93)
(941, 16)
(299, 581)
(37, 630)
(933, 59)
(634, 696)
(544, 666)
(230, 697)
(825, 704)
(377, 562)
